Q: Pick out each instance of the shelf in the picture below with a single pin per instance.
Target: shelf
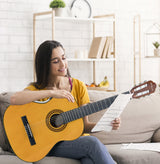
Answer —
(109, 18)
(85, 19)
(152, 33)
(152, 56)
(98, 88)
(91, 60)
(48, 14)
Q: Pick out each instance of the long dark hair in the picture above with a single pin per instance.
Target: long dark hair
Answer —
(42, 62)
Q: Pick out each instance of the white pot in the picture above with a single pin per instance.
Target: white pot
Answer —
(157, 52)
(59, 11)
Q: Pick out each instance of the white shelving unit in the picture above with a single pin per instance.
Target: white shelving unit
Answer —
(137, 31)
(102, 18)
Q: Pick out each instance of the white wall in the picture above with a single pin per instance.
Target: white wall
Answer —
(16, 21)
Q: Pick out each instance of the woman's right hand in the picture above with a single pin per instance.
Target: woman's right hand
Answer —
(62, 94)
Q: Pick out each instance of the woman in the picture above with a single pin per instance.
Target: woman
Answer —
(53, 80)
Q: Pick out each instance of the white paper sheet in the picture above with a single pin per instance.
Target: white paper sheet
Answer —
(113, 112)
(142, 146)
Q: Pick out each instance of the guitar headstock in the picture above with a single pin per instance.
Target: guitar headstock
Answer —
(143, 89)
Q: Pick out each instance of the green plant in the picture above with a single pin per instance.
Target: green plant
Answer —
(156, 45)
(57, 4)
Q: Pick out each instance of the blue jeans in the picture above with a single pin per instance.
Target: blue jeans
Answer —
(87, 149)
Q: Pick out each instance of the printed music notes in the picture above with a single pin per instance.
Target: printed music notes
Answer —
(113, 112)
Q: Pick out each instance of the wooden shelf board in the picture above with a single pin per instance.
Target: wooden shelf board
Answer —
(98, 88)
(152, 56)
(98, 19)
(86, 19)
(106, 59)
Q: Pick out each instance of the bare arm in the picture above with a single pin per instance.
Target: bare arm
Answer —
(88, 126)
(27, 96)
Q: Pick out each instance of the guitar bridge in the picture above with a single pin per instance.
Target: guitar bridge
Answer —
(28, 130)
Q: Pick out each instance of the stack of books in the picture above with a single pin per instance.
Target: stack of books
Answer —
(101, 47)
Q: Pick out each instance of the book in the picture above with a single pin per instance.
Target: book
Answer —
(110, 47)
(97, 47)
(106, 46)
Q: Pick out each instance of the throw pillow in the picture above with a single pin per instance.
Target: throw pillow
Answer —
(4, 103)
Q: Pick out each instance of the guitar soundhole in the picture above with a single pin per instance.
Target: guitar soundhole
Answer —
(50, 121)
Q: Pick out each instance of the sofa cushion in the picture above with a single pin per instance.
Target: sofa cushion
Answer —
(11, 159)
(3, 139)
(57, 160)
(140, 119)
(2, 152)
(156, 136)
(4, 103)
(124, 156)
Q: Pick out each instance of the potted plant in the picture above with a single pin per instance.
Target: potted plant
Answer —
(156, 50)
(58, 6)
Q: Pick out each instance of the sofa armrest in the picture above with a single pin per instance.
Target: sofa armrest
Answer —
(4, 103)
(156, 136)
(2, 152)
(5, 97)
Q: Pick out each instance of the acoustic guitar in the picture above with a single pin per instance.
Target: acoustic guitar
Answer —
(34, 128)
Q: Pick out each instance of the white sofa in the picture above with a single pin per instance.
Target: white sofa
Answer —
(140, 123)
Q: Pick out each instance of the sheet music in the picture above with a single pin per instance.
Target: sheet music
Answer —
(113, 112)
(142, 146)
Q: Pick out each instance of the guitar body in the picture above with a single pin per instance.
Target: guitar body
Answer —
(43, 134)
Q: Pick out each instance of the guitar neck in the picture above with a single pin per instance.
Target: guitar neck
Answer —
(88, 109)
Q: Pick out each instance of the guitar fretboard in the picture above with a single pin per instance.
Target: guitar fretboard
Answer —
(88, 109)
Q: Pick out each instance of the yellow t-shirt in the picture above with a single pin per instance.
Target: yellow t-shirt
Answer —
(79, 92)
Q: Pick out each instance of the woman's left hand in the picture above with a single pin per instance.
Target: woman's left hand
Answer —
(116, 124)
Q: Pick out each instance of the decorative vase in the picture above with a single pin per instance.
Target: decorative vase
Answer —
(156, 52)
(58, 11)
